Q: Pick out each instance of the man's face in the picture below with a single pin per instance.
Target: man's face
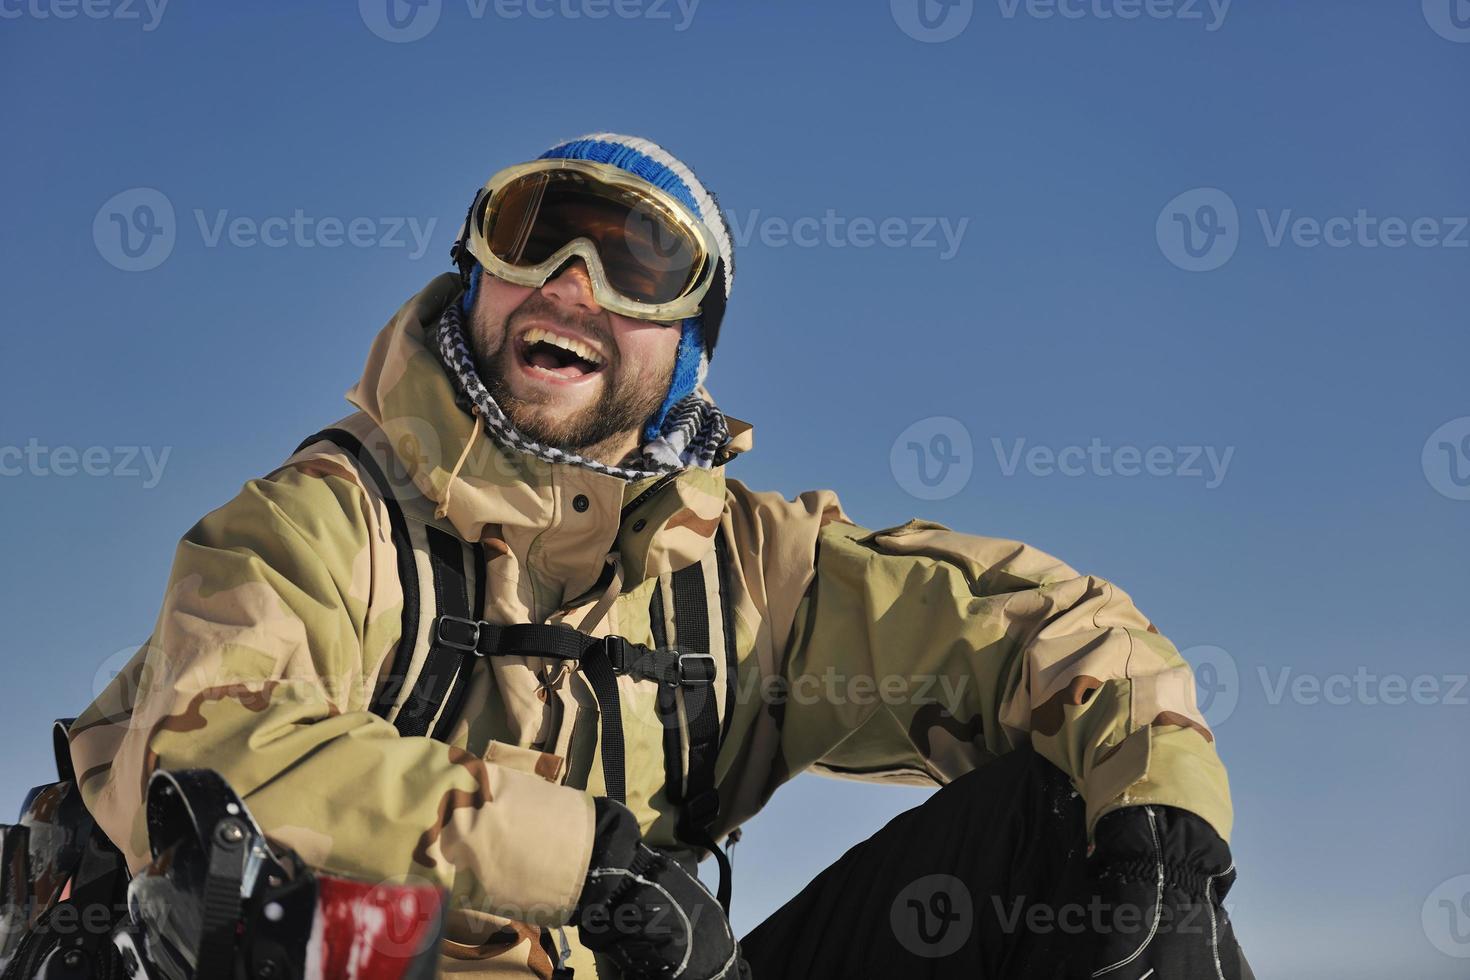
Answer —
(567, 372)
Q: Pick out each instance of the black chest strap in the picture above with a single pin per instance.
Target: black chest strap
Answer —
(685, 672)
(601, 660)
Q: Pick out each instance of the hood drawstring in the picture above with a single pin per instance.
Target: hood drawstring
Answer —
(551, 677)
(443, 508)
(604, 602)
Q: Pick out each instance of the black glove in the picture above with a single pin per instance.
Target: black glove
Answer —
(646, 913)
(1160, 876)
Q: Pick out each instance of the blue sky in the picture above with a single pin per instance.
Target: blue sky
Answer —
(1175, 291)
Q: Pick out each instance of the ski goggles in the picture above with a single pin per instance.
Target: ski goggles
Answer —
(648, 255)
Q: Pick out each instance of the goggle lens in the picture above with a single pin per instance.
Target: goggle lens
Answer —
(647, 254)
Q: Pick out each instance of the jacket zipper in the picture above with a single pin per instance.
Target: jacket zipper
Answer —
(632, 505)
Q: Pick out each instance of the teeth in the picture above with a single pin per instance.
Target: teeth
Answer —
(542, 335)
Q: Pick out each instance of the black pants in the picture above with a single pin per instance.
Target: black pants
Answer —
(986, 880)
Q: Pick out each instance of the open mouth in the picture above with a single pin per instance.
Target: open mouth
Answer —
(553, 355)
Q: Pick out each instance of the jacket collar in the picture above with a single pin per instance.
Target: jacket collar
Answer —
(513, 501)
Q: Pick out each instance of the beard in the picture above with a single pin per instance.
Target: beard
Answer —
(629, 395)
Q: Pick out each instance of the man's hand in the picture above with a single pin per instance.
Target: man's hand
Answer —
(646, 913)
(1161, 875)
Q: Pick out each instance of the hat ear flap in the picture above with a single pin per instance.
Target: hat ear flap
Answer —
(472, 290)
(691, 362)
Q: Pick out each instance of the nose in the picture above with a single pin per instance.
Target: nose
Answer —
(572, 286)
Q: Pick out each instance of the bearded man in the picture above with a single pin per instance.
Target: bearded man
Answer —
(509, 628)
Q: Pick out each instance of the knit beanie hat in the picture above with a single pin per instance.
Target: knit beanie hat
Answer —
(646, 159)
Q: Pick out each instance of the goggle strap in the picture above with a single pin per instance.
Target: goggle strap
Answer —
(712, 307)
(459, 252)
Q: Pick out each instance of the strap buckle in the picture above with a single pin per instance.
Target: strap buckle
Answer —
(463, 634)
(686, 679)
(617, 652)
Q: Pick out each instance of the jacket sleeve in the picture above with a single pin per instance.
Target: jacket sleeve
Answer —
(918, 653)
(282, 607)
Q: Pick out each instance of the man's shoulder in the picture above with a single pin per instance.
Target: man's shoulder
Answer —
(319, 489)
(770, 510)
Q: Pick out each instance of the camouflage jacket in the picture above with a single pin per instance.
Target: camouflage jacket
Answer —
(910, 654)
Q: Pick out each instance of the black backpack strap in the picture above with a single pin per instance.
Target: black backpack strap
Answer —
(439, 690)
(667, 705)
(727, 617)
(408, 576)
(698, 799)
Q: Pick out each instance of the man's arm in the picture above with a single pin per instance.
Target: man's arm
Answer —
(918, 652)
(281, 608)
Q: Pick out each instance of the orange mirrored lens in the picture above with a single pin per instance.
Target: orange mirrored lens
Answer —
(647, 255)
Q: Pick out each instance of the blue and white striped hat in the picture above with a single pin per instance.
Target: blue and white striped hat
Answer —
(651, 162)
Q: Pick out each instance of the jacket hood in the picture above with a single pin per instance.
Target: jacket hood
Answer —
(509, 499)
